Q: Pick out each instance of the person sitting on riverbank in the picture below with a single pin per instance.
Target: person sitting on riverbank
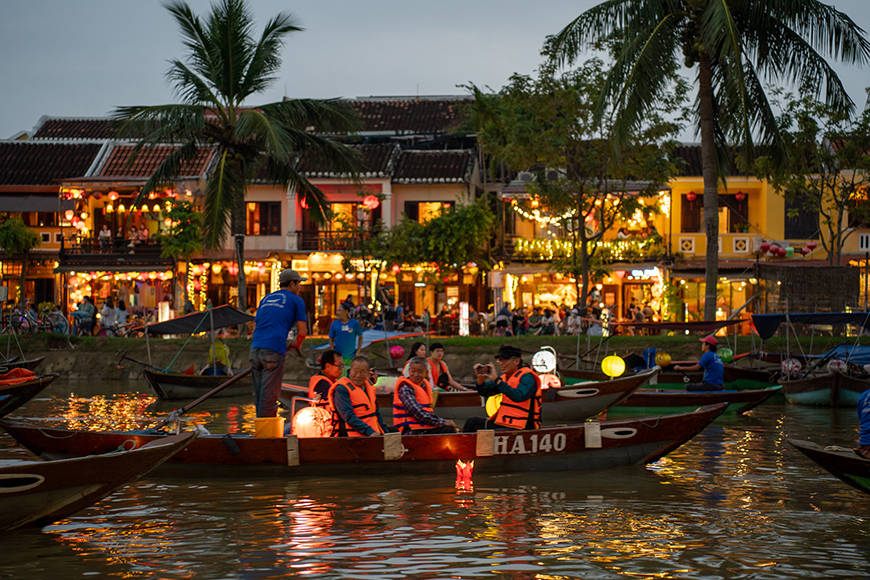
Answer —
(331, 366)
(353, 403)
(413, 403)
(520, 390)
(864, 417)
(714, 370)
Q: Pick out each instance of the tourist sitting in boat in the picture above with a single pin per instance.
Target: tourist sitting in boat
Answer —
(331, 365)
(440, 374)
(353, 403)
(520, 390)
(417, 349)
(218, 359)
(413, 402)
(864, 417)
(711, 363)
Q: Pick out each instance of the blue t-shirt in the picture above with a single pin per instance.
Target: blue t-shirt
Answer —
(864, 417)
(713, 368)
(344, 336)
(276, 315)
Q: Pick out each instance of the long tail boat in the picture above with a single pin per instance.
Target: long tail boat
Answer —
(844, 464)
(21, 388)
(667, 400)
(825, 390)
(737, 378)
(37, 493)
(589, 445)
(571, 404)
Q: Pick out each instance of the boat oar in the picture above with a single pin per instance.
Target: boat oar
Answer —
(179, 412)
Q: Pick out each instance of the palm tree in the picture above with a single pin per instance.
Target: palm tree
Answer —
(225, 65)
(734, 45)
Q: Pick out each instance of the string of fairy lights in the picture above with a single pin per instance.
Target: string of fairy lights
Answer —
(543, 249)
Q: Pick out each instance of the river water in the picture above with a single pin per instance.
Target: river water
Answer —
(735, 502)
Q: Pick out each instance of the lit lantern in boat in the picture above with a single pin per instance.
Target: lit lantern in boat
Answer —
(550, 381)
(371, 201)
(492, 404)
(791, 367)
(68, 214)
(613, 366)
(663, 359)
(397, 352)
(837, 366)
(726, 354)
(312, 422)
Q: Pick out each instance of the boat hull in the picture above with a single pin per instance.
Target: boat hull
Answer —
(827, 390)
(20, 393)
(29, 364)
(736, 378)
(844, 464)
(35, 494)
(648, 400)
(590, 445)
(170, 386)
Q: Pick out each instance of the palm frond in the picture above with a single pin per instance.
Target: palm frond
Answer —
(222, 189)
(266, 59)
(202, 52)
(160, 123)
(330, 116)
(168, 169)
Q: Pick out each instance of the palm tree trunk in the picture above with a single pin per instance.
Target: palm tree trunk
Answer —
(711, 178)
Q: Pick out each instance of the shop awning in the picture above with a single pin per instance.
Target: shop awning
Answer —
(35, 203)
(227, 255)
(115, 268)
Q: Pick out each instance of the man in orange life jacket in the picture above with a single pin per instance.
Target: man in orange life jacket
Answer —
(520, 388)
(331, 365)
(440, 373)
(353, 403)
(412, 403)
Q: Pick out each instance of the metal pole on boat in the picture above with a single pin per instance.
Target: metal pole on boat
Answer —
(213, 349)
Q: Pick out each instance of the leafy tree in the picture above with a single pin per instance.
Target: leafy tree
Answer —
(182, 238)
(226, 64)
(17, 240)
(732, 45)
(828, 169)
(548, 124)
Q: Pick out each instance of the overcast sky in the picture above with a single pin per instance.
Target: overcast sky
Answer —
(82, 58)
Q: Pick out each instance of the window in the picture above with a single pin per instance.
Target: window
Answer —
(264, 219)
(803, 224)
(692, 212)
(353, 214)
(423, 211)
(732, 214)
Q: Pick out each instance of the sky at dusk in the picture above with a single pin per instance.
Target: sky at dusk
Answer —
(83, 58)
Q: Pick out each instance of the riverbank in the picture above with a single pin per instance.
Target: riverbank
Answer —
(100, 358)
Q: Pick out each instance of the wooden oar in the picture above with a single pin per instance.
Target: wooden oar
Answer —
(211, 393)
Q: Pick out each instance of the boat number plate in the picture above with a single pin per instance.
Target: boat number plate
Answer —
(525, 444)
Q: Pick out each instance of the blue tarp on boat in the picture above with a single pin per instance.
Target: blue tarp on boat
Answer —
(855, 354)
(767, 324)
(369, 336)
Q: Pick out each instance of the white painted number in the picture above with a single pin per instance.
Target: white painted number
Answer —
(545, 444)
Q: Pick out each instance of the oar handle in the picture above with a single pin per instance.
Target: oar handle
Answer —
(211, 393)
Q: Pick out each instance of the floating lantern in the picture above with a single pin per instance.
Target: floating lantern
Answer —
(492, 404)
(397, 352)
(464, 472)
(663, 359)
(371, 201)
(739, 196)
(691, 196)
(726, 354)
(613, 366)
(312, 422)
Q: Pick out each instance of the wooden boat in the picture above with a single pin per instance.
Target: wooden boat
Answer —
(29, 364)
(172, 386)
(651, 400)
(737, 378)
(37, 493)
(22, 391)
(842, 463)
(589, 445)
(825, 390)
(571, 404)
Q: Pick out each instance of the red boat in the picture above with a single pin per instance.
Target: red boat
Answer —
(589, 445)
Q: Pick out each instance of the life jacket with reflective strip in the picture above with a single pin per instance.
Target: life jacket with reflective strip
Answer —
(364, 405)
(312, 383)
(524, 414)
(423, 394)
(439, 373)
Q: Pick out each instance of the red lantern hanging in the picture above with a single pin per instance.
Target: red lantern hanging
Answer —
(805, 250)
(691, 196)
(620, 274)
(303, 203)
(233, 269)
(371, 201)
(812, 245)
(68, 214)
(396, 268)
(113, 195)
(739, 196)
(765, 246)
(197, 285)
(97, 195)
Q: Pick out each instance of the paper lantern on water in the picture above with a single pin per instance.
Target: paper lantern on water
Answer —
(312, 422)
(397, 352)
(663, 359)
(726, 354)
(837, 366)
(613, 366)
(492, 404)
(791, 367)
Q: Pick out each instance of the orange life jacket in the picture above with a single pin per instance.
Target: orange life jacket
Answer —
(364, 405)
(440, 377)
(312, 394)
(423, 394)
(524, 414)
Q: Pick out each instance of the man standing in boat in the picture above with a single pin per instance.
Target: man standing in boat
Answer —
(714, 370)
(353, 403)
(331, 365)
(518, 387)
(864, 417)
(413, 403)
(439, 371)
(276, 315)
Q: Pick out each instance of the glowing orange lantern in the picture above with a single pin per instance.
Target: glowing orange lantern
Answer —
(550, 381)
(68, 214)
(371, 201)
(113, 195)
(233, 269)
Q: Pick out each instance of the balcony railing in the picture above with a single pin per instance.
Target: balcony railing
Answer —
(89, 252)
(331, 240)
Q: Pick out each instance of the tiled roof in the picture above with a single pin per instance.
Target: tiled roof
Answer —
(147, 161)
(378, 160)
(406, 116)
(30, 163)
(75, 129)
(434, 166)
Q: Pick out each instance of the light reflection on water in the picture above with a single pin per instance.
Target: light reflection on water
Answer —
(736, 502)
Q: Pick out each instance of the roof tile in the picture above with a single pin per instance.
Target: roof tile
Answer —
(450, 166)
(30, 163)
(147, 161)
(76, 129)
(411, 115)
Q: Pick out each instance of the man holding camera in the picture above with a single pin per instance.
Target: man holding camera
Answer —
(519, 388)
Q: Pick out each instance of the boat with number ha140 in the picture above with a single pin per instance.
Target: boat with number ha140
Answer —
(38, 493)
(589, 445)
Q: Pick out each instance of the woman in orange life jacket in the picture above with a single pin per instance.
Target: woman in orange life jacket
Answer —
(331, 365)
(353, 403)
(521, 389)
(412, 403)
